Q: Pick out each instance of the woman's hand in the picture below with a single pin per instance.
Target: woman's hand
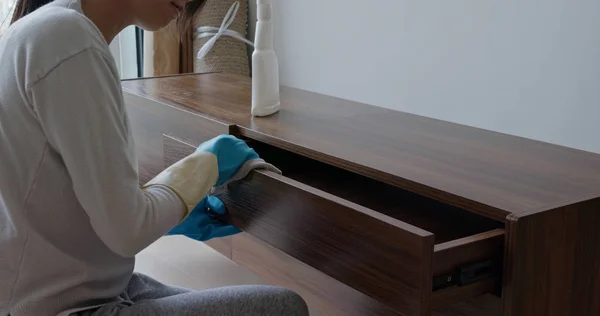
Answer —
(203, 224)
(231, 154)
(213, 164)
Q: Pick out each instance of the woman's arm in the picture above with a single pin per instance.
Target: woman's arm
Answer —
(80, 107)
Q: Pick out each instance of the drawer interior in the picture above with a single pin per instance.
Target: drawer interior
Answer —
(446, 222)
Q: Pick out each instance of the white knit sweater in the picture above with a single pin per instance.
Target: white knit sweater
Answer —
(72, 216)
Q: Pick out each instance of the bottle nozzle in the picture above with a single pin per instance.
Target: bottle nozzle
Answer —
(264, 10)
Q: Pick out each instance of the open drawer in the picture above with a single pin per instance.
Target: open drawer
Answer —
(407, 251)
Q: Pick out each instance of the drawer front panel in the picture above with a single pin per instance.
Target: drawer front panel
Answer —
(449, 256)
(381, 257)
(377, 255)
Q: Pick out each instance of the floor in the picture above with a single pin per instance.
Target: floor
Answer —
(184, 262)
(181, 261)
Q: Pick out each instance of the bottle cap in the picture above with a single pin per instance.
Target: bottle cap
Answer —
(264, 10)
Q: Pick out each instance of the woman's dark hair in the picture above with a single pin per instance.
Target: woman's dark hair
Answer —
(24, 7)
(185, 20)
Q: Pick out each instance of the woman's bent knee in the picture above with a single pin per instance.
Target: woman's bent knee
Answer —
(295, 303)
(282, 301)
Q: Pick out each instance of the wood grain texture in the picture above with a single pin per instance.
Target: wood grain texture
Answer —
(457, 294)
(149, 120)
(322, 293)
(446, 222)
(484, 172)
(553, 262)
(377, 255)
(175, 150)
(269, 223)
(453, 254)
(549, 193)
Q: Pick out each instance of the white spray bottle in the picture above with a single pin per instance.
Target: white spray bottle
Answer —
(265, 65)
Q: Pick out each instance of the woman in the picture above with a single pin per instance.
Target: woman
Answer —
(72, 216)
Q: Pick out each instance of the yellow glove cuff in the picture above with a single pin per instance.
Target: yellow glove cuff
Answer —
(191, 178)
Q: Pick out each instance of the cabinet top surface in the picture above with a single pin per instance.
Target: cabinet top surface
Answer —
(486, 172)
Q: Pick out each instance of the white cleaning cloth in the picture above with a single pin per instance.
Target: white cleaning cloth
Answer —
(243, 172)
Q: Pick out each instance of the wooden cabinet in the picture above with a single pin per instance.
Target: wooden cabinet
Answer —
(379, 212)
(150, 120)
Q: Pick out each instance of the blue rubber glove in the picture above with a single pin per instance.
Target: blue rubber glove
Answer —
(231, 153)
(212, 164)
(201, 225)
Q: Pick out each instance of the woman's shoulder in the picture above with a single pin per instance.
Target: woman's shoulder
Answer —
(57, 28)
(43, 39)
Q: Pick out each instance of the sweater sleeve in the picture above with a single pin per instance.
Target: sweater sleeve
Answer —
(79, 105)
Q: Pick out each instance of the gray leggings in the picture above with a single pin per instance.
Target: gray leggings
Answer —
(148, 297)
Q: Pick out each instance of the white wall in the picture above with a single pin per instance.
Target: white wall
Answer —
(123, 48)
(524, 67)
